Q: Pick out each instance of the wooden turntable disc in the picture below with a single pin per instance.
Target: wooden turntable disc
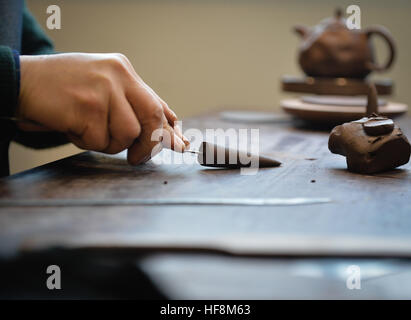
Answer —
(334, 86)
(328, 113)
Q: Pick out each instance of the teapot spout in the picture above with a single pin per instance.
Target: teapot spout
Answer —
(301, 30)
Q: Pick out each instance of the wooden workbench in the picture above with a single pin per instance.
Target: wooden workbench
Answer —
(361, 207)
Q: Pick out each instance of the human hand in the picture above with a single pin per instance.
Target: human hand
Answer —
(98, 101)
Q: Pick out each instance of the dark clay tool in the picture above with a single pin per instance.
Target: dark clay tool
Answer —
(211, 155)
(371, 144)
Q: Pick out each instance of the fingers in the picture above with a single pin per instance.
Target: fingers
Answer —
(94, 135)
(169, 114)
(170, 138)
(173, 124)
(99, 101)
(136, 118)
(179, 133)
(150, 113)
(108, 127)
(124, 127)
(177, 141)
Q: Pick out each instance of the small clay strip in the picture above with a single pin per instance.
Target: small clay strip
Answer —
(378, 127)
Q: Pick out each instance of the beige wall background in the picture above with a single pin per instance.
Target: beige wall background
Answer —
(201, 55)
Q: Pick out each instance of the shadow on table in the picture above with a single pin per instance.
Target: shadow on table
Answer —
(397, 173)
(82, 277)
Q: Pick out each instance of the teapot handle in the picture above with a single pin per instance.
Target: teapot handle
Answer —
(386, 35)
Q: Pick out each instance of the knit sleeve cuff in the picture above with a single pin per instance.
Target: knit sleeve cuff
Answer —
(9, 81)
(8, 93)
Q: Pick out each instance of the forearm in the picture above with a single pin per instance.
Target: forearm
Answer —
(36, 42)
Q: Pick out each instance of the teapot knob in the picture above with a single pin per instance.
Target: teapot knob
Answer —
(338, 13)
(301, 30)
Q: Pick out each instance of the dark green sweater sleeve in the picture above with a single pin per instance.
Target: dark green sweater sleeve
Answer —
(34, 42)
(8, 100)
(8, 82)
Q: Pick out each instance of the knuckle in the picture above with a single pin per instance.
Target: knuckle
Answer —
(100, 144)
(132, 135)
(94, 105)
(118, 62)
(171, 116)
(121, 56)
(95, 139)
(156, 112)
(128, 137)
(125, 135)
(113, 150)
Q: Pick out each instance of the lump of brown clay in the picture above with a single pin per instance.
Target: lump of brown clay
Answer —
(211, 155)
(371, 144)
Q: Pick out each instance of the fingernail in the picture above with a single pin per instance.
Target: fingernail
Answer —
(186, 141)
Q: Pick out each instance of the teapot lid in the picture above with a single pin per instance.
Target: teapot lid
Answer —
(336, 21)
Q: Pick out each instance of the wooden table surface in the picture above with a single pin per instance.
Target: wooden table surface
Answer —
(372, 206)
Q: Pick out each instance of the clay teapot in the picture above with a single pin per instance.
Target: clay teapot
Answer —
(330, 49)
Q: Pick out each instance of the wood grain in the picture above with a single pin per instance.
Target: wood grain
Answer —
(362, 205)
